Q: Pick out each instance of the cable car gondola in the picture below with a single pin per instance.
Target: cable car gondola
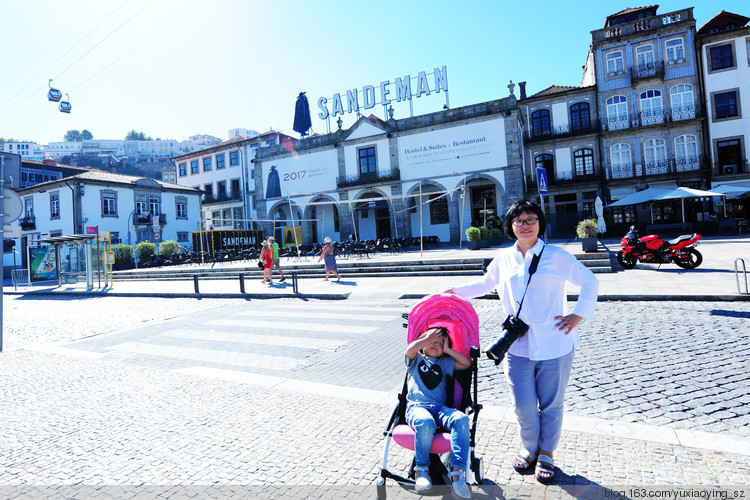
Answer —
(64, 106)
(53, 95)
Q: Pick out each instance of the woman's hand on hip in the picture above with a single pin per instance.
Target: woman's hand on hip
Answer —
(567, 323)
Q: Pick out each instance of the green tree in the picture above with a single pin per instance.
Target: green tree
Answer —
(134, 135)
(86, 135)
(72, 136)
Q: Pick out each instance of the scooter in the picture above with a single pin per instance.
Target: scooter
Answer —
(653, 249)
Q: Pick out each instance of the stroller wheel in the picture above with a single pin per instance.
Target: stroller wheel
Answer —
(477, 466)
(380, 485)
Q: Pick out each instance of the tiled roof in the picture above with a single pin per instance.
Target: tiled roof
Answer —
(722, 19)
(628, 10)
(553, 89)
(97, 175)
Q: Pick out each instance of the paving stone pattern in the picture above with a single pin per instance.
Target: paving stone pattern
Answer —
(681, 364)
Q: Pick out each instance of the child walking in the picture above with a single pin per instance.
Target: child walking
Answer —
(429, 359)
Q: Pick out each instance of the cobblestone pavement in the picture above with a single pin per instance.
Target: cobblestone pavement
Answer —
(681, 364)
(85, 403)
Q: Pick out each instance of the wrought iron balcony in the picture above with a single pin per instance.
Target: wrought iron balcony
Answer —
(648, 118)
(560, 132)
(220, 198)
(563, 179)
(648, 70)
(27, 223)
(656, 167)
(370, 178)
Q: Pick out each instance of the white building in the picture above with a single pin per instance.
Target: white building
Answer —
(220, 172)
(27, 150)
(126, 206)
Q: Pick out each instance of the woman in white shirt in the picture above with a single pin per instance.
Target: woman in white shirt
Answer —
(537, 365)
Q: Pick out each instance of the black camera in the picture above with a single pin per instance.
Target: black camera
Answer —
(512, 329)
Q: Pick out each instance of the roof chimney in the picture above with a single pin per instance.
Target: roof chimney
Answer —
(523, 90)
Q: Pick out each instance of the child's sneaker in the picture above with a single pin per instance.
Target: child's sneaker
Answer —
(422, 483)
(461, 490)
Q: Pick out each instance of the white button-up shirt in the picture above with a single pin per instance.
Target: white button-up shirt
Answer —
(545, 299)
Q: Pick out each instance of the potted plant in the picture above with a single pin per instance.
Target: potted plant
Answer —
(472, 235)
(496, 237)
(587, 230)
(123, 257)
(484, 237)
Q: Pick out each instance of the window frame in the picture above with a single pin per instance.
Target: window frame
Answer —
(620, 150)
(577, 114)
(180, 207)
(586, 157)
(220, 161)
(108, 195)
(54, 205)
(207, 164)
(667, 50)
(438, 209)
(649, 51)
(154, 205)
(711, 58)
(234, 158)
(618, 60)
(194, 167)
(541, 122)
(738, 111)
(183, 169)
(371, 160)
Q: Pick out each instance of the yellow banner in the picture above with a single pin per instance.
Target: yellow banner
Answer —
(289, 236)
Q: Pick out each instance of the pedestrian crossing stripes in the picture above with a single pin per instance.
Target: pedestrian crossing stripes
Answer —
(292, 325)
(339, 306)
(249, 360)
(323, 315)
(252, 338)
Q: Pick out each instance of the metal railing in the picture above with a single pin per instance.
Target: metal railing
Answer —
(561, 132)
(370, 178)
(658, 167)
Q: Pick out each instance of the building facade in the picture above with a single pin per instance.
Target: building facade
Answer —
(225, 175)
(433, 175)
(724, 48)
(132, 209)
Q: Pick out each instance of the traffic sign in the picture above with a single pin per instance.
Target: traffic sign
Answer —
(13, 206)
(157, 235)
(92, 229)
(11, 231)
(156, 221)
(110, 257)
(541, 180)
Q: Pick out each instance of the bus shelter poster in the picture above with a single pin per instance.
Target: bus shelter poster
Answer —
(43, 263)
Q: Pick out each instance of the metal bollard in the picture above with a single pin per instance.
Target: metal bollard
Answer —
(737, 275)
(295, 283)
(195, 283)
(242, 283)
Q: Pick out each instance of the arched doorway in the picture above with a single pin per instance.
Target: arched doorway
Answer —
(372, 217)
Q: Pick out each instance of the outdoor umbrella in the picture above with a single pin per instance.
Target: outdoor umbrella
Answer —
(599, 206)
(683, 192)
(649, 194)
(732, 190)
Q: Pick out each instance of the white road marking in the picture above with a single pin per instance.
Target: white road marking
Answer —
(284, 323)
(252, 338)
(210, 355)
(322, 315)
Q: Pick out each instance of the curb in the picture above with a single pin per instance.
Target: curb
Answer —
(167, 295)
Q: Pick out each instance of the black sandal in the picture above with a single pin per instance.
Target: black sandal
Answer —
(545, 465)
(523, 463)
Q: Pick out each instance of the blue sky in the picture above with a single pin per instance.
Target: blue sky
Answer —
(176, 68)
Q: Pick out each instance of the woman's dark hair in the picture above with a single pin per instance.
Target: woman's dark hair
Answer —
(519, 207)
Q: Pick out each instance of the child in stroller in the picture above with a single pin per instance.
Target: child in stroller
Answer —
(429, 319)
(429, 359)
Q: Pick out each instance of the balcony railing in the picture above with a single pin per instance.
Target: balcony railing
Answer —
(563, 179)
(648, 70)
(27, 223)
(370, 178)
(656, 167)
(221, 198)
(148, 219)
(560, 132)
(647, 118)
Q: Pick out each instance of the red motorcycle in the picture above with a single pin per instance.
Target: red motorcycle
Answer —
(655, 250)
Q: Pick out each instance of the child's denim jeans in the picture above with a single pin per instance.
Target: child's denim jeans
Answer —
(422, 417)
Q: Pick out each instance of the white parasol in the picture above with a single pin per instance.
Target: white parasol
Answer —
(600, 215)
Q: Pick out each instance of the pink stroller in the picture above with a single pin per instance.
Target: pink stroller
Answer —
(459, 317)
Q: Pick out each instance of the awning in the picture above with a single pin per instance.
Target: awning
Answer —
(618, 192)
(67, 239)
(640, 197)
(732, 190)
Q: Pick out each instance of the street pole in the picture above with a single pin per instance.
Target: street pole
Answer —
(421, 242)
(2, 225)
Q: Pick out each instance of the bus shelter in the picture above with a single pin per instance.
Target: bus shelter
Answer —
(67, 258)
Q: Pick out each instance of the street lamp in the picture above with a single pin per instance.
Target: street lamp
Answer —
(135, 256)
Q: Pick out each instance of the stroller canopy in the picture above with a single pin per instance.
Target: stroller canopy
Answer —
(450, 311)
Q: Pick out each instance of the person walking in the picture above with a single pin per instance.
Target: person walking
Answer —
(329, 259)
(538, 364)
(275, 248)
(266, 258)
